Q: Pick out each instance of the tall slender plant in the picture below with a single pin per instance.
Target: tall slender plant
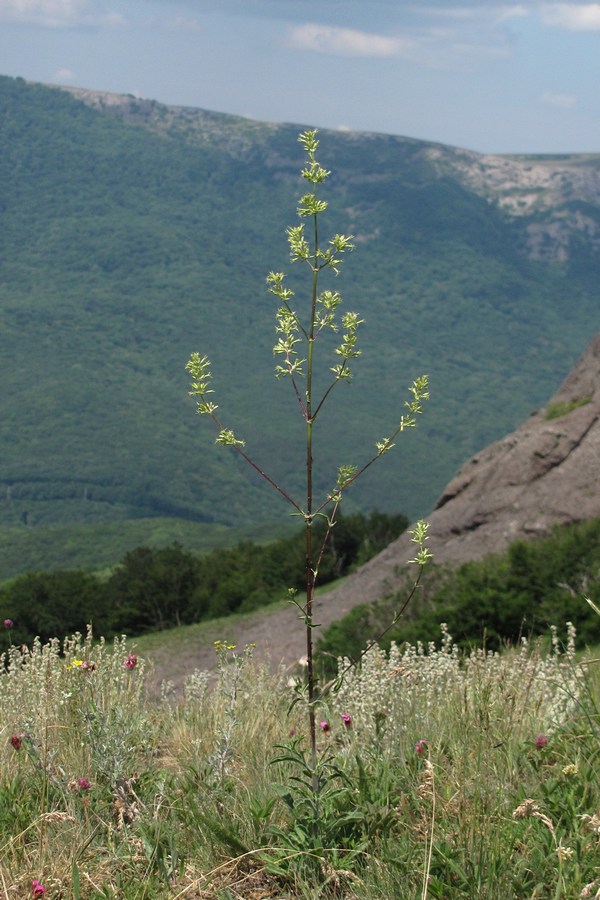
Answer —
(301, 328)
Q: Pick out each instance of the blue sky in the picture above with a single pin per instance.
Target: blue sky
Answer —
(514, 77)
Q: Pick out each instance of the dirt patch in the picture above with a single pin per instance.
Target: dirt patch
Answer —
(278, 635)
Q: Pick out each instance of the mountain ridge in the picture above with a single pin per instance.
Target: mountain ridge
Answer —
(520, 184)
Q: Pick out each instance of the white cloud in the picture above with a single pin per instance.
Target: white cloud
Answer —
(457, 38)
(573, 17)
(44, 12)
(491, 12)
(511, 12)
(560, 101)
(346, 41)
(184, 23)
(63, 74)
(58, 13)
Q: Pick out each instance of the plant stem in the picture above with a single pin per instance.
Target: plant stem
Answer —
(310, 570)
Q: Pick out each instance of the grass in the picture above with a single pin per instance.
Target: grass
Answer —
(556, 410)
(442, 775)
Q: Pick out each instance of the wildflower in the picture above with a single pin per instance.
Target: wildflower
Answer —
(75, 664)
(529, 808)
(17, 739)
(591, 823)
(347, 720)
(564, 852)
(8, 623)
(131, 661)
(324, 726)
(83, 784)
(88, 666)
(541, 741)
(525, 809)
(221, 646)
(37, 888)
(426, 790)
(421, 747)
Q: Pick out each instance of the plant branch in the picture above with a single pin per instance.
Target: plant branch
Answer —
(329, 390)
(337, 681)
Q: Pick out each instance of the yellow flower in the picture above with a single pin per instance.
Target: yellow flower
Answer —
(222, 645)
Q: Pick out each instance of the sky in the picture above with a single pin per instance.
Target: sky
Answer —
(515, 77)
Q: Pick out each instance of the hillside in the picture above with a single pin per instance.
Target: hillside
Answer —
(541, 475)
(132, 233)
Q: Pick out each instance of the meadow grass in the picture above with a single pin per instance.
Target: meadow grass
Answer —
(442, 775)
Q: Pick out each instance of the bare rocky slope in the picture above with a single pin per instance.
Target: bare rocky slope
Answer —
(555, 197)
(543, 474)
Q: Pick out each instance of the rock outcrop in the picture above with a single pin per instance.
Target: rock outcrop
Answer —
(543, 474)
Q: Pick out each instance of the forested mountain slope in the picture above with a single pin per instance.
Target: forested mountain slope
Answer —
(132, 234)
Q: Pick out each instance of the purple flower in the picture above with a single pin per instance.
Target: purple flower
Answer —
(37, 888)
(347, 720)
(131, 661)
(541, 741)
(421, 747)
(83, 784)
(324, 726)
(8, 624)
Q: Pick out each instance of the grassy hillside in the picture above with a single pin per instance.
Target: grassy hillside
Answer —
(437, 772)
(124, 249)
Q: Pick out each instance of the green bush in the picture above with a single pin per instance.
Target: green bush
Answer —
(53, 604)
(498, 599)
(156, 588)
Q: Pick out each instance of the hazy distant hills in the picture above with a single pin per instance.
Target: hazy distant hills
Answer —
(132, 233)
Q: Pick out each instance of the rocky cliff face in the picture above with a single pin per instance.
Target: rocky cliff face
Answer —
(544, 474)
(555, 198)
